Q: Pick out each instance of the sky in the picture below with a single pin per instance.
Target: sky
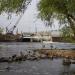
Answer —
(29, 21)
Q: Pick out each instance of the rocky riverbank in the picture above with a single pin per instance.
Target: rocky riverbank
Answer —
(58, 53)
(39, 54)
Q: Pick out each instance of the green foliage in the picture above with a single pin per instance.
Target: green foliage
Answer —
(62, 10)
(12, 5)
(68, 34)
(58, 7)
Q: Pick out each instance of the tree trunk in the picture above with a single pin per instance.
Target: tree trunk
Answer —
(72, 24)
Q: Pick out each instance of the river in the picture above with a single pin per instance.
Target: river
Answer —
(40, 67)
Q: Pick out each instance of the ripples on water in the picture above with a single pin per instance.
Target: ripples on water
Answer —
(7, 49)
(41, 67)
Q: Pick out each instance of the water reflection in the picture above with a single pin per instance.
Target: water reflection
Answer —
(41, 67)
(66, 70)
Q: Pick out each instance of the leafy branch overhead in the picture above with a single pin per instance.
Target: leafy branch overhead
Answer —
(63, 10)
(13, 5)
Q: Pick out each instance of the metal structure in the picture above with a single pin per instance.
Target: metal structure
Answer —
(10, 31)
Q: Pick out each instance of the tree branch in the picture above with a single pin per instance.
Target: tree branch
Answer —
(72, 24)
(71, 16)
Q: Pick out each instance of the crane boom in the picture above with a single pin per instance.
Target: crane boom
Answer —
(10, 31)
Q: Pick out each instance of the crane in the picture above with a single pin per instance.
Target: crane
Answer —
(10, 31)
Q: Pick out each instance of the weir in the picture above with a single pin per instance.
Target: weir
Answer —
(36, 37)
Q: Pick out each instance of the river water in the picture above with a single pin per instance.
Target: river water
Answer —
(40, 67)
(8, 49)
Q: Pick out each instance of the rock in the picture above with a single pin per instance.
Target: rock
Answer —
(14, 56)
(3, 59)
(19, 58)
(10, 59)
(66, 62)
(43, 56)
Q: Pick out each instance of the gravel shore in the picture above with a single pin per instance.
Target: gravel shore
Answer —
(60, 53)
(40, 54)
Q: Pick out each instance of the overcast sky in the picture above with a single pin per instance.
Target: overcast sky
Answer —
(28, 22)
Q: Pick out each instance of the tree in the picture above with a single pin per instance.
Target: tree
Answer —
(67, 33)
(63, 10)
(14, 6)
